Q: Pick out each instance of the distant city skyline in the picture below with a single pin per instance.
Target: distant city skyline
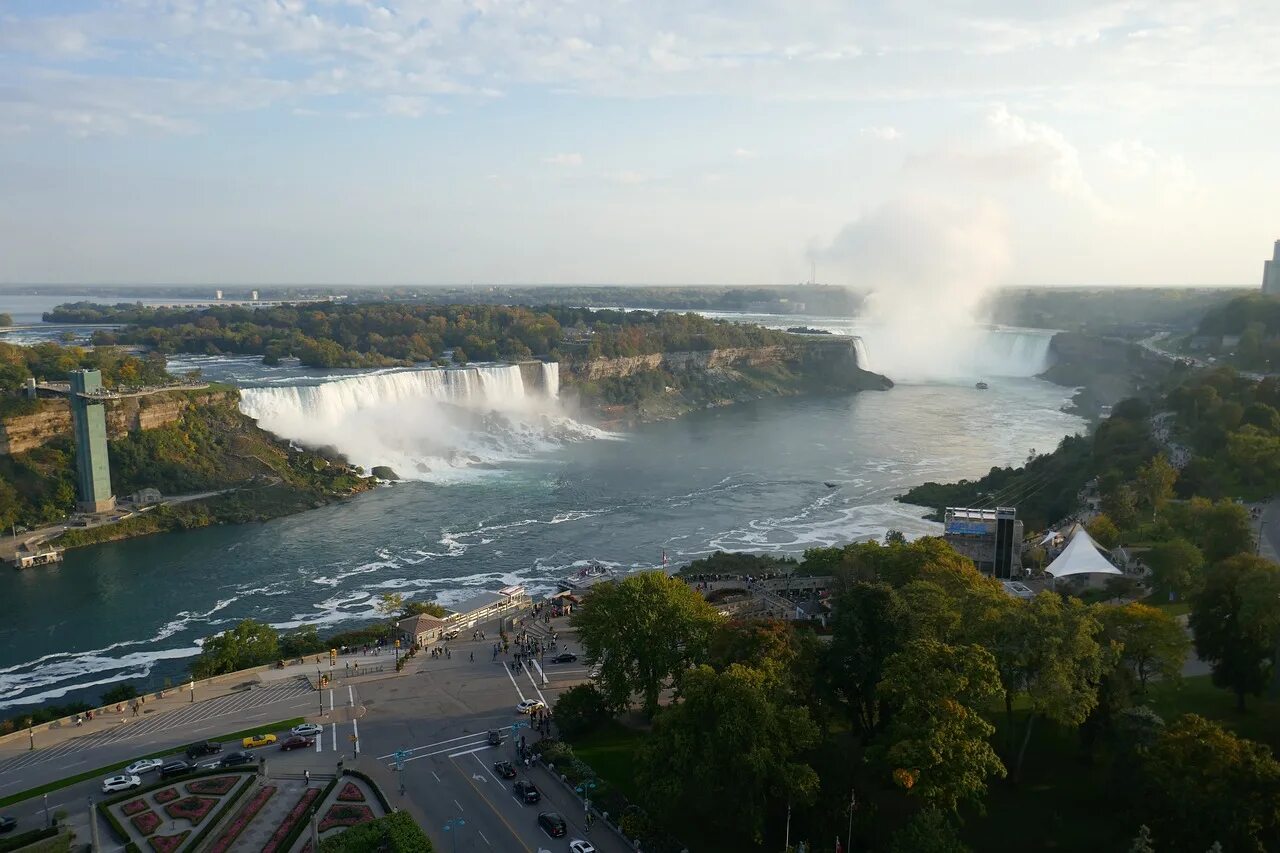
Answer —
(425, 142)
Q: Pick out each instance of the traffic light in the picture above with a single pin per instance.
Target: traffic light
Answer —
(397, 643)
(333, 657)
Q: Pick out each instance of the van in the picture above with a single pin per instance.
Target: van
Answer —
(553, 824)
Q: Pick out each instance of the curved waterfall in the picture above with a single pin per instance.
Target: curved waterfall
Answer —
(966, 353)
(424, 424)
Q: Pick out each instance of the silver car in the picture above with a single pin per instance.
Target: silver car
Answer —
(143, 765)
(307, 730)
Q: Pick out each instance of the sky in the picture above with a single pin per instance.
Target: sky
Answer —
(1060, 142)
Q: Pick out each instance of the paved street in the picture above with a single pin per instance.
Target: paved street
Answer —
(438, 711)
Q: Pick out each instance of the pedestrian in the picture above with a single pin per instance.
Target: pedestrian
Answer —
(306, 774)
(473, 657)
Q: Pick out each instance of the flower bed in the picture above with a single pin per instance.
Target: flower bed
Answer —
(165, 796)
(193, 809)
(168, 843)
(351, 793)
(295, 815)
(215, 785)
(146, 822)
(344, 814)
(242, 819)
(134, 806)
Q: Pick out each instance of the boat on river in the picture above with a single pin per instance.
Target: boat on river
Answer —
(982, 386)
(586, 577)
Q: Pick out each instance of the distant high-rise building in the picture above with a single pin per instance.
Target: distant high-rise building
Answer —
(1271, 273)
(89, 423)
(217, 294)
(253, 294)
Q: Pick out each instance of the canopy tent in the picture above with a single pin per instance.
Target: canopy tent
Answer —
(1082, 556)
(1048, 538)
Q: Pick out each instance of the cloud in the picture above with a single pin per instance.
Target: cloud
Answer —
(565, 159)
(1039, 144)
(744, 154)
(885, 133)
(627, 178)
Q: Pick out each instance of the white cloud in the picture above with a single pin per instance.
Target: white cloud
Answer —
(564, 159)
(744, 154)
(884, 132)
(627, 177)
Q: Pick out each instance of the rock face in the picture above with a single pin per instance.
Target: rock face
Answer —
(1105, 370)
(21, 433)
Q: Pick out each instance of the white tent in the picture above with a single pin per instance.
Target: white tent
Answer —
(1082, 556)
(1048, 538)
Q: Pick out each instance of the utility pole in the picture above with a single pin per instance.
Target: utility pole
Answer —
(786, 844)
(853, 804)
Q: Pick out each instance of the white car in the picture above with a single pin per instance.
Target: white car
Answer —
(595, 673)
(120, 783)
(144, 765)
(580, 846)
(307, 730)
(528, 706)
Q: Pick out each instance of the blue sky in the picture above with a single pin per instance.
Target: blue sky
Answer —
(342, 141)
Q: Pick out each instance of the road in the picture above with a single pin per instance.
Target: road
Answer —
(438, 711)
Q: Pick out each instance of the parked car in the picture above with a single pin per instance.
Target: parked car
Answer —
(258, 740)
(526, 792)
(528, 706)
(203, 748)
(307, 730)
(7, 823)
(495, 737)
(565, 657)
(451, 634)
(595, 673)
(504, 769)
(120, 783)
(297, 743)
(236, 758)
(577, 845)
(144, 765)
(553, 824)
(176, 768)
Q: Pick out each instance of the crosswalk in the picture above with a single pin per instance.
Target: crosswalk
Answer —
(230, 704)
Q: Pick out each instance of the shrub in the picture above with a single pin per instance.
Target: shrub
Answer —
(242, 819)
(134, 806)
(295, 815)
(168, 843)
(146, 822)
(166, 796)
(351, 793)
(218, 785)
(193, 809)
(395, 833)
(344, 814)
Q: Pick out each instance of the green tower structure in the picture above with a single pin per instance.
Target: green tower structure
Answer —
(89, 421)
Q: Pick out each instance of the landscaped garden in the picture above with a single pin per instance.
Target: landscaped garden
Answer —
(140, 819)
(242, 819)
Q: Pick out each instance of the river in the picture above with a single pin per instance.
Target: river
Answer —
(749, 477)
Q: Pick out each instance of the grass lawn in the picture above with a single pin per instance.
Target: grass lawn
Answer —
(611, 752)
(1197, 695)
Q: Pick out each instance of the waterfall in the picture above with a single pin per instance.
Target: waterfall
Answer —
(966, 353)
(860, 353)
(425, 424)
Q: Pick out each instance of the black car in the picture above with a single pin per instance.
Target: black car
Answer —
(495, 737)
(236, 758)
(525, 792)
(176, 768)
(7, 823)
(203, 748)
(565, 657)
(504, 769)
(553, 824)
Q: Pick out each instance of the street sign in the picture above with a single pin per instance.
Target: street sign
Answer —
(401, 755)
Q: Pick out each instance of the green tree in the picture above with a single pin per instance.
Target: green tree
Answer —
(1151, 642)
(390, 604)
(929, 830)
(1104, 531)
(1155, 483)
(430, 608)
(579, 710)
(1176, 567)
(1119, 501)
(939, 741)
(870, 624)
(1221, 529)
(246, 645)
(728, 749)
(644, 631)
(6, 319)
(1202, 784)
(303, 640)
(1233, 623)
(1142, 841)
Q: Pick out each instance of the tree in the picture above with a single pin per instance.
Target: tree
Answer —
(579, 710)
(1155, 483)
(1233, 624)
(644, 631)
(939, 747)
(390, 604)
(1220, 529)
(728, 749)
(248, 644)
(870, 624)
(1047, 650)
(929, 830)
(6, 319)
(1119, 501)
(119, 693)
(1142, 841)
(430, 608)
(302, 640)
(1203, 784)
(1104, 531)
(1175, 567)
(1151, 642)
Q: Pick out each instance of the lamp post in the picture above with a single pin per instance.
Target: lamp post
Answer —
(585, 790)
(853, 804)
(46, 811)
(451, 826)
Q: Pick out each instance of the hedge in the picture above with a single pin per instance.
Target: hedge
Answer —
(377, 792)
(121, 834)
(31, 836)
(300, 825)
(227, 808)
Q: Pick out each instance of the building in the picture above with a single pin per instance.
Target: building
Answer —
(145, 497)
(89, 423)
(420, 630)
(992, 538)
(484, 606)
(1271, 272)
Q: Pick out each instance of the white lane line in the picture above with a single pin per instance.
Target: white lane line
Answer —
(355, 730)
(469, 751)
(458, 804)
(519, 692)
(535, 685)
(437, 775)
(333, 729)
(320, 742)
(429, 745)
(481, 834)
(351, 696)
(482, 744)
(488, 769)
(330, 701)
(541, 674)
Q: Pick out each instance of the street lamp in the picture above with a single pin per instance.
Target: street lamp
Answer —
(46, 811)
(451, 826)
(585, 790)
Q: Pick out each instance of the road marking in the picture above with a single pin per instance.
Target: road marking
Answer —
(499, 814)
(458, 804)
(351, 696)
(476, 776)
(355, 729)
(481, 834)
(333, 730)
(519, 692)
(437, 775)
(320, 742)
(484, 745)
(429, 745)
(535, 686)
(330, 701)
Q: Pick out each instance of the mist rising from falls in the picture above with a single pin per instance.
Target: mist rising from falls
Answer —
(424, 424)
(963, 352)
